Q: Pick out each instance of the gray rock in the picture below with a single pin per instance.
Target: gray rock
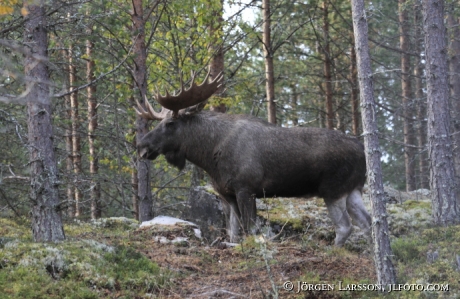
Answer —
(205, 210)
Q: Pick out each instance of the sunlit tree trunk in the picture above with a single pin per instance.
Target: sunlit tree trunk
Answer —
(386, 273)
(95, 187)
(268, 55)
(76, 142)
(140, 91)
(70, 189)
(445, 205)
(327, 68)
(44, 198)
(408, 128)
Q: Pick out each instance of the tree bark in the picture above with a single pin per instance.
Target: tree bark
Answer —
(142, 125)
(420, 99)
(327, 66)
(294, 100)
(76, 144)
(354, 95)
(386, 273)
(454, 83)
(69, 162)
(268, 56)
(68, 146)
(409, 140)
(216, 65)
(46, 219)
(445, 205)
(95, 187)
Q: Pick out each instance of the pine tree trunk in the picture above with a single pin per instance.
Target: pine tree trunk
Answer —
(95, 187)
(142, 125)
(69, 161)
(354, 95)
(268, 54)
(76, 144)
(420, 99)
(454, 82)
(216, 66)
(135, 192)
(327, 66)
(408, 129)
(68, 147)
(445, 205)
(46, 219)
(294, 100)
(382, 251)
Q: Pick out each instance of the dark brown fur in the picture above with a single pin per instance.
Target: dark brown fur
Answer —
(247, 157)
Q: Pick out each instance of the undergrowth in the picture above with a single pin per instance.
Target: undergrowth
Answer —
(79, 267)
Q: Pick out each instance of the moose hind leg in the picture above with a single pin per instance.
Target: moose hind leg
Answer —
(339, 216)
(357, 211)
(232, 219)
(247, 208)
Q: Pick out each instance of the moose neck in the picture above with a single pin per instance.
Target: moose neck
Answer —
(201, 135)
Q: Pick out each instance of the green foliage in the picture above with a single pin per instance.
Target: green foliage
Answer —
(407, 250)
(415, 263)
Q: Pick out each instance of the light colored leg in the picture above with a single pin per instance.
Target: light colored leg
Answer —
(339, 215)
(232, 219)
(357, 211)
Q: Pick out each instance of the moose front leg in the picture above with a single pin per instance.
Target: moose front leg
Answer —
(247, 208)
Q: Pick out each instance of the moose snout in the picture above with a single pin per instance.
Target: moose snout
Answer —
(147, 152)
(142, 151)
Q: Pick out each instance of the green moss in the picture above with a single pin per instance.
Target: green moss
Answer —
(412, 204)
(282, 214)
(413, 266)
(77, 268)
(17, 228)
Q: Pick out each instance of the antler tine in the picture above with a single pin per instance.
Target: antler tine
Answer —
(150, 113)
(188, 97)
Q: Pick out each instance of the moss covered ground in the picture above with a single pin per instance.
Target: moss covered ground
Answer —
(114, 258)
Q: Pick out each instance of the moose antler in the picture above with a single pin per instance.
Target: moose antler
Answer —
(187, 97)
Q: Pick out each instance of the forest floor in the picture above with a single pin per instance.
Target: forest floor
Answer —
(114, 258)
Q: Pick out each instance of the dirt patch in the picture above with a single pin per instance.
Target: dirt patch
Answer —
(250, 271)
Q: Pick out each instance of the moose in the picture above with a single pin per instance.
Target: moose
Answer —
(248, 158)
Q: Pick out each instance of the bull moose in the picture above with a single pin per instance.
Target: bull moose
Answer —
(247, 157)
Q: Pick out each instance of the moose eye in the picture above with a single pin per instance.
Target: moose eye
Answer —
(170, 124)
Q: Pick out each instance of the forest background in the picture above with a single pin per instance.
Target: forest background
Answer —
(97, 68)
